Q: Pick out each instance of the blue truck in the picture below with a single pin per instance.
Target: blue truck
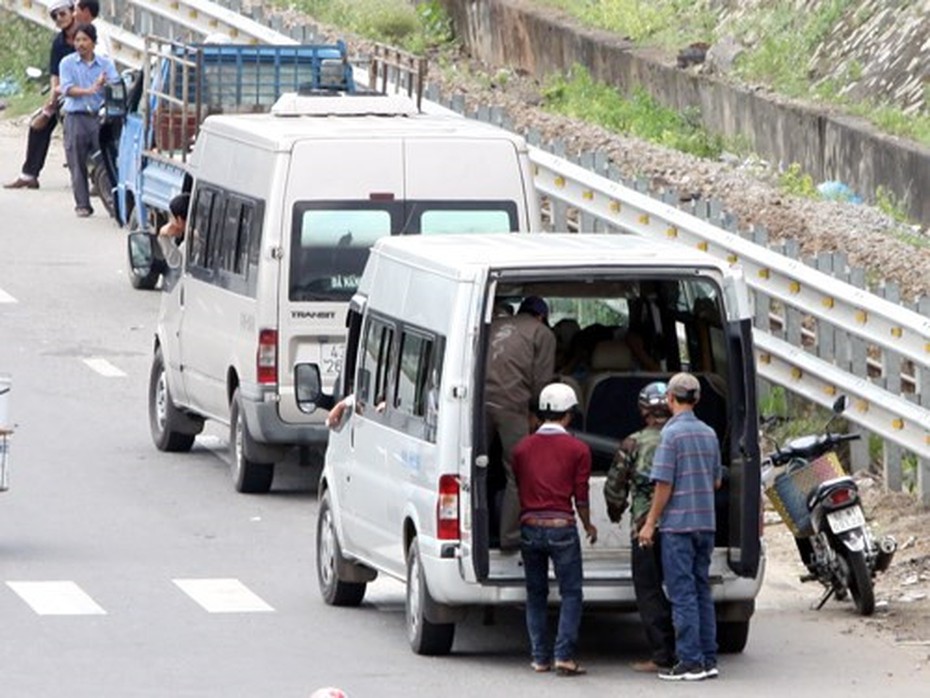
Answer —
(161, 107)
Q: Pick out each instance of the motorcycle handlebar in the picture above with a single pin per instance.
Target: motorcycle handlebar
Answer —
(817, 447)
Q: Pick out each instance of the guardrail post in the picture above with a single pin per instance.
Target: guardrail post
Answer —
(891, 379)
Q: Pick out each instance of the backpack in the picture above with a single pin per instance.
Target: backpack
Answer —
(619, 480)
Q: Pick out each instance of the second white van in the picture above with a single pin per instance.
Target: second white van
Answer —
(410, 486)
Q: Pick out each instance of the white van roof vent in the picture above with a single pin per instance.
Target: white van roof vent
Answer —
(343, 104)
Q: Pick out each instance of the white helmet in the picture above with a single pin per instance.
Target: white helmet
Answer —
(328, 692)
(557, 397)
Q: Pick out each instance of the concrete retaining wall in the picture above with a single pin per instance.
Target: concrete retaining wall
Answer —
(512, 33)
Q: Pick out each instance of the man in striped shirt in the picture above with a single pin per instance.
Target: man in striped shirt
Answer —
(686, 470)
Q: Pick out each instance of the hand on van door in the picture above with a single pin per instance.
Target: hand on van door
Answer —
(337, 415)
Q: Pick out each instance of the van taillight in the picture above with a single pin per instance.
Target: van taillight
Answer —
(267, 357)
(447, 509)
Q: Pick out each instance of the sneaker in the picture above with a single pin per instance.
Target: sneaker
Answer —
(710, 670)
(684, 672)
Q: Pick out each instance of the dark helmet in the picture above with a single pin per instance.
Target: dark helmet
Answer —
(652, 399)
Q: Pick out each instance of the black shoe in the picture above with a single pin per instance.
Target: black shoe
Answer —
(710, 670)
(684, 672)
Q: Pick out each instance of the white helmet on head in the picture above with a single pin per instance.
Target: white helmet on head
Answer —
(557, 397)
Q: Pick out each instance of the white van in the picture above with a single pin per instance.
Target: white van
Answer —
(409, 486)
(284, 209)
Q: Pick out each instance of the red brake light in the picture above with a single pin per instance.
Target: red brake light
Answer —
(267, 356)
(447, 508)
(839, 497)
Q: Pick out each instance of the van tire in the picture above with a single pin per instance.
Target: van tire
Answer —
(335, 592)
(249, 477)
(164, 418)
(732, 636)
(425, 638)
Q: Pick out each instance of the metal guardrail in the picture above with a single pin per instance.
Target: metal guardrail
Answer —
(885, 326)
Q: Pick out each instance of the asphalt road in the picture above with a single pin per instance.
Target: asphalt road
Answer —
(128, 572)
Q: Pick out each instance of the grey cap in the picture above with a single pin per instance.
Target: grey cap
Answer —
(684, 386)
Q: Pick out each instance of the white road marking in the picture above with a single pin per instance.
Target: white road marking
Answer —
(56, 598)
(223, 595)
(104, 368)
(6, 297)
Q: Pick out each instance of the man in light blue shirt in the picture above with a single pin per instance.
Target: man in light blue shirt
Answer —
(84, 76)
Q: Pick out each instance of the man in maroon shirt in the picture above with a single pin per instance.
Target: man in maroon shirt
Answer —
(552, 468)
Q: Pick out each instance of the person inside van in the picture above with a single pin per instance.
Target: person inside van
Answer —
(520, 362)
(172, 232)
(552, 469)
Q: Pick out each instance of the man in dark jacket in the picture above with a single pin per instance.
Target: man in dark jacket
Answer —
(39, 139)
(521, 361)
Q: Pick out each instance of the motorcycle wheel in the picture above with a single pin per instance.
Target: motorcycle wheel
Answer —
(104, 188)
(860, 583)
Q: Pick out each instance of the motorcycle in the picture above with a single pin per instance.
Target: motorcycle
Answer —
(820, 503)
(120, 98)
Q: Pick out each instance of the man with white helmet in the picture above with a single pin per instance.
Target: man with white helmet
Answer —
(552, 469)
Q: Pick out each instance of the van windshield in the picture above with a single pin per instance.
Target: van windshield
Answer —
(330, 240)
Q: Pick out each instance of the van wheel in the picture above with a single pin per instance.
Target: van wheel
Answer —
(425, 637)
(732, 636)
(248, 476)
(328, 554)
(164, 417)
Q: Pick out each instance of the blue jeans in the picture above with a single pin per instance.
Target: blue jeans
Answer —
(686, 568)
(538, 545)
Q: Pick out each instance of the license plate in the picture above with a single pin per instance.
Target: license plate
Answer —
(331, 359)
(845, 519)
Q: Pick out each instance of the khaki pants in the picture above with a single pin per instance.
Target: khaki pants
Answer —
(510, 426)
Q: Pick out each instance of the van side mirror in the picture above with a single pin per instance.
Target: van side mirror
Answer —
(141, 253)
(308, 388)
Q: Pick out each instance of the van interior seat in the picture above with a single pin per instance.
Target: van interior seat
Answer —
(612, 409)
(608, 357)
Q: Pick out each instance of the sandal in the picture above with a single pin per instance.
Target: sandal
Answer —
(541, 667)
(569, 668)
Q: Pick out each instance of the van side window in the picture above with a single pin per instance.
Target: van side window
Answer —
(412, 374)
(372, 384)
(200, 226)
(232, 232)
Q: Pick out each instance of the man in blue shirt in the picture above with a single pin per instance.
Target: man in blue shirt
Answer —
(84, 76)
(686, 470)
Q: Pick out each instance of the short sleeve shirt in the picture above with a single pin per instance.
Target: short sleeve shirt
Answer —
(688, 458)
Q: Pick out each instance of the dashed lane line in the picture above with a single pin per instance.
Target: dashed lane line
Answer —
(104, 368)
(6, 297)
(223, 596)
(56, 598)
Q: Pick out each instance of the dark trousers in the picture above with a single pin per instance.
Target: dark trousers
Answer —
(654, 608)
(37, 148)
(81, 139)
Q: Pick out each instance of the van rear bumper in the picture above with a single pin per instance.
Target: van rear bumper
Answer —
(272, 435)
(447, 586)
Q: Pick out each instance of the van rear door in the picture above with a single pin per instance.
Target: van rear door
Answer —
(340, 195)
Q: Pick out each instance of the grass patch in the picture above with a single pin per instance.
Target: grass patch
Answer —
(796, 182)
(578, 95)
(415, 28)
(667, 23)
(24, 44)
